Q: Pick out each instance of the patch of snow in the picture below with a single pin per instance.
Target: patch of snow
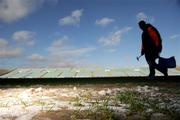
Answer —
(27, 116)
(102, 92)
(74, 88)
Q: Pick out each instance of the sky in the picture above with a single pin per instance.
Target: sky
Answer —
(83, 33)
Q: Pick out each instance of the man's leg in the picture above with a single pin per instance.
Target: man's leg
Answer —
(162, 69)
(151, 67)
(158, 67)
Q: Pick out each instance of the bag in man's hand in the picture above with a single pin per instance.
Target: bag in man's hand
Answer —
(167, 62)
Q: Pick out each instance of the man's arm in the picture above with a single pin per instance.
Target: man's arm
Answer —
(142, 49)
(142, 46)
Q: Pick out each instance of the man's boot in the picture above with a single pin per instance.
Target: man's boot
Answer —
(151, 77)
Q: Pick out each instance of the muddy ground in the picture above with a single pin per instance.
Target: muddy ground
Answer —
(125, 101)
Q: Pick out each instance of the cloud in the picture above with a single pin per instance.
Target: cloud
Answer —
(10, 52)
(51, 1)
(104, 21)
(68, 57)
(62, 54)
(59, 47)
(58, 43)
(112, 50)
(143, 16)
(36, 57)
(73, 19)
(24, 37)
(76, 51)
(13, 10)
(7, 51)
(3, 42)
(175, 36)
(60, 62)
(114, 37)
(66, 52)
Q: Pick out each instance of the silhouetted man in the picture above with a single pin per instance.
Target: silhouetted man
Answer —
(151, 48)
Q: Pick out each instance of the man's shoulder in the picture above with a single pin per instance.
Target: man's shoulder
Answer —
(151, 26)
(148, 24)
